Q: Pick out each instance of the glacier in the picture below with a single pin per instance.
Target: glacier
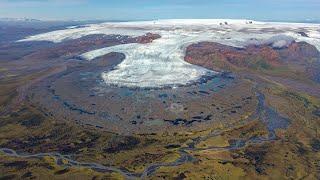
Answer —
(161, 63)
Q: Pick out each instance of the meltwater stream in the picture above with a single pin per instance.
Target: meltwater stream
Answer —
(269, 117)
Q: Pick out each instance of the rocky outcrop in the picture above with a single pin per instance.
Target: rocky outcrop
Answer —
(299, 52)
(301, 56)
(209, 54)
(72, 48)
(148, 38)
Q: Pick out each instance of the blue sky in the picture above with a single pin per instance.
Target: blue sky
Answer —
(286, 10)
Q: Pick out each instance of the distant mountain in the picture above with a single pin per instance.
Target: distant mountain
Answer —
(18, 20)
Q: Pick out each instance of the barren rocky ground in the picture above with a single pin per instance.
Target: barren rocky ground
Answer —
(258, 118)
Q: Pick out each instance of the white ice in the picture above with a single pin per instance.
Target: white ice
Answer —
(161, 62)
(156, 64)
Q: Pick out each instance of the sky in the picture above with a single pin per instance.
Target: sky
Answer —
(276, 10)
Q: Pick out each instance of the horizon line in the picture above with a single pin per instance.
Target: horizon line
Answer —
(25, 19)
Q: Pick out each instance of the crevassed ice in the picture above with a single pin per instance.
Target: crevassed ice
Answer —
(161, 63)
(156, 64)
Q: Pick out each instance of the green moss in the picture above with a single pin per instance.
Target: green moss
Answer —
(259, 63)
(298, 97)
